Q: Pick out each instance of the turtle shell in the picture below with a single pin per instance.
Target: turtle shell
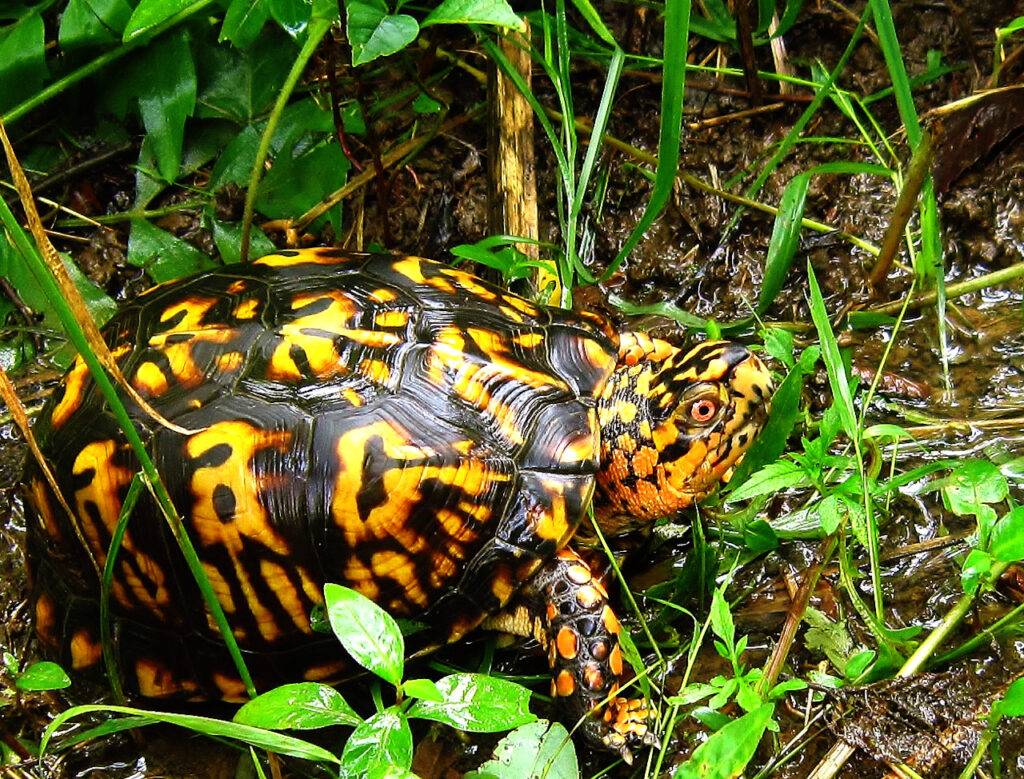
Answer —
(384, 422)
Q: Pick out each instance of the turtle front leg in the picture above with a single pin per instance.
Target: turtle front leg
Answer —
(581, 633)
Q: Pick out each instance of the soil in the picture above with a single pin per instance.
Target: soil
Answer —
(707, 257)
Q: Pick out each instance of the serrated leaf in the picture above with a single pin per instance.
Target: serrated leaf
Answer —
(774, 477)
(382, 741)
(367, 632)
(477, 703)
(373, 32)
(497, 12)
(303, 706)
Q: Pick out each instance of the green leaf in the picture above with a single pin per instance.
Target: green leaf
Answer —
(786, 232)
(43, 676)
(425, 689)
(241, 85)
(243, 22)
(373, 32)
(477, 703)
(1012, 704)
(292, 15)
(293, 185)
(976, 567)
(303, 706)
(760, 537)
(228, 238)
(497, 12)
(829, 511)
(774, 477)
(167, 99)
(1007, 540)
(858, 664)
(163, 256)
(721, 619)
(367, 632)
(382, 741)
(234, 164)
(726, 753)
(538, 750)
(973, 484)
(17, 272)
(22, 59)
(92, 23)
(149, 13)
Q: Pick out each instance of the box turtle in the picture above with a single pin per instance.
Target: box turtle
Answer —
(384, 422)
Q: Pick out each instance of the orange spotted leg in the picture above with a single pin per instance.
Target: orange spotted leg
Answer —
(582, 636)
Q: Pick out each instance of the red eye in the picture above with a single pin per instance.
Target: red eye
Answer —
(703, 410)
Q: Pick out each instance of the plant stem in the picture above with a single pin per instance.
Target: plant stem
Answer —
(317, 29)
(995, 278)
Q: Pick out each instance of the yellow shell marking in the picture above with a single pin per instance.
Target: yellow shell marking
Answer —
(103, 491)
(317, 346)
(150, 380)
(248, 520)
(307, 257)
(73, 382)
(247, 309)
(84, 650)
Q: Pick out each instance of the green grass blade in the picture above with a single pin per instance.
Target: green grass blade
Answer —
(897, 71)
(266, 739)
(842, 395)
(106, 641)
(677, 36)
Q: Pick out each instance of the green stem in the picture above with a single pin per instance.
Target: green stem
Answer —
(317, 29)
(983, 636)
(922, 655)
(993, 279)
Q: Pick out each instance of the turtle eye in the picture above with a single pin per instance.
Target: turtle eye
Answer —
(703, 410)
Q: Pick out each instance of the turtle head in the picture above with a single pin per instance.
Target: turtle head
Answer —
(675, 423)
